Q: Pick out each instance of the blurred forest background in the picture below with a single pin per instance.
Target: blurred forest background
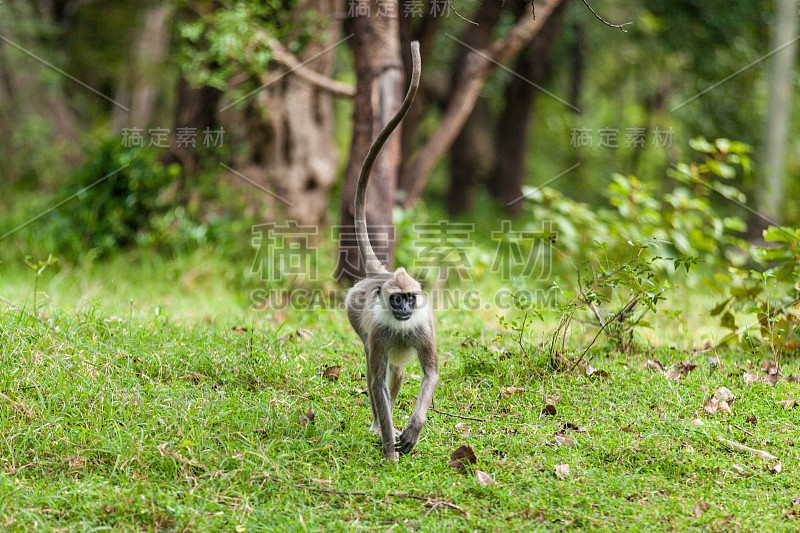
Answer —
(172, 128)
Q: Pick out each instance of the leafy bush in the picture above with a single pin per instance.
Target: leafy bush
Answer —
(772, 294)
(112, 199)
(684, 221)
(630, 254)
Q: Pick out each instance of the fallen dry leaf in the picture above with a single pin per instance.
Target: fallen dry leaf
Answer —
(331, 373)
(462, 456)
(700, 507)
(752, 420)
(742, 448)
(787, 404)
(681, 370)
(567, 442)
(724, 394)
(308, 418)
(697, 422)
(774, 469)
(553, 399)
(768, 364)
(484, 478)
(464, 429)
(241, 330)
(595, 372)
(510, 391)
(303, 333)
(549, 410)
(562, 471)
(714, 361)
(749, 378)
(653, 365)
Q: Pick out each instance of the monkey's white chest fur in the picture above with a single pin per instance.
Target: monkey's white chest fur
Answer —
(400, 357)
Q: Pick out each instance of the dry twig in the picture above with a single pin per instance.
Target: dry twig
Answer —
(435, 410)
(604, 21)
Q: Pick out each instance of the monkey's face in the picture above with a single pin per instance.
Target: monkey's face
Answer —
(402, 305)
(402, 296)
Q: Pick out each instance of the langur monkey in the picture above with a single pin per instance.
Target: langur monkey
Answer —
(391, 314)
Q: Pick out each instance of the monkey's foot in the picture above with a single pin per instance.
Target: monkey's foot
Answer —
(377, 430)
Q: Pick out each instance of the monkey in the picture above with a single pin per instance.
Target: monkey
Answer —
(391, 314)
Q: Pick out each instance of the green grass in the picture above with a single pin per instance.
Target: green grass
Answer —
(114, 415)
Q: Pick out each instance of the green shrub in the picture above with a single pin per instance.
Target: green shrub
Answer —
(112, 199)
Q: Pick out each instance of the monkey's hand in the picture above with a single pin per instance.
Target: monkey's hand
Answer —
(408, 438)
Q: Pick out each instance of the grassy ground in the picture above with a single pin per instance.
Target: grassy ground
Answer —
(199, 415)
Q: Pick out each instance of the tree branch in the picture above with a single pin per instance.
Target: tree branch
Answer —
(282, 55)
(604, 21)
(480, 64)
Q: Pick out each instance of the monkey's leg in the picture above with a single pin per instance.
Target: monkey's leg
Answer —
(374, 426)
(395, 379)
(428, 360)
(379, 392)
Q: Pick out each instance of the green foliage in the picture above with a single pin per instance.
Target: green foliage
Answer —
(631, 289)
(31, 158)
(683, 222)
(772, 295)
(632, 254)
(124, 198)
(113, 198)
(234, 38)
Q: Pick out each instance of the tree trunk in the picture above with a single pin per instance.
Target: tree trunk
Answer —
(140, 91)
(425, 32)
(196, 108)
(578, 55)
(508, 175)
(480, 65)
(784, 39)
(289, 126)
(31, 95)
(379, 75)
(471, 152)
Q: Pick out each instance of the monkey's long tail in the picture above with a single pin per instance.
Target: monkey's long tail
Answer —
(371, 263)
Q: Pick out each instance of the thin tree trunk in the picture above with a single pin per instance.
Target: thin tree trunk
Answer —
(471, 153)
(770, 197)
(508, 175)
(578, 55)
(425, 33)
(379, 75)
(479, 66)
(140, 91)
(196, 108)
(27, 93)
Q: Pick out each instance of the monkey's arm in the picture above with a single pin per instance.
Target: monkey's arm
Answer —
(429, 361)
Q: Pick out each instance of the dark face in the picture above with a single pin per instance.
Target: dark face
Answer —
(402, 305)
